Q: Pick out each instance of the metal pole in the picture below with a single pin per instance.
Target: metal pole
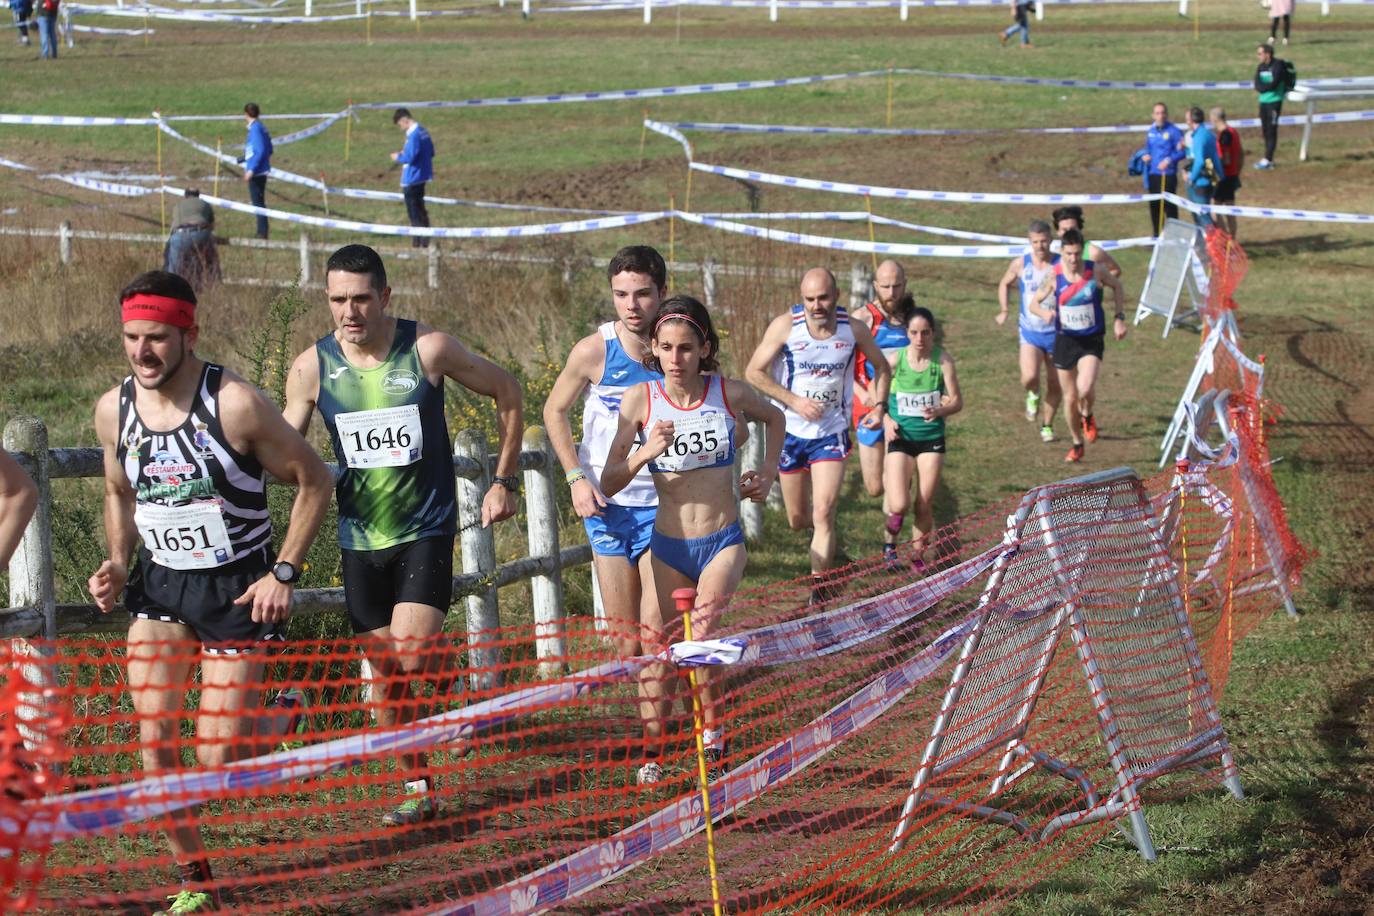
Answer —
(546, 589)
(479, 556)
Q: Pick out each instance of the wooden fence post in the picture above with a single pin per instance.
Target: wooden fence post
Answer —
(31, 573)
(860, 282)
(750, 512)
(305, 258)
(708, 282)
(64, 242)
(432, 272)
(31, 579)
(546, 589)
(479, 556)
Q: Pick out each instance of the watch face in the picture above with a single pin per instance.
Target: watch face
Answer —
(284, 572)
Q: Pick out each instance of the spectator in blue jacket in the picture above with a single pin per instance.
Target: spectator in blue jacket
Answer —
(257, 161)
(418, 158)
(1163, 152)
(1206, 167)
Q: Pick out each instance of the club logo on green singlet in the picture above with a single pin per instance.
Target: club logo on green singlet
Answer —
(400, 381)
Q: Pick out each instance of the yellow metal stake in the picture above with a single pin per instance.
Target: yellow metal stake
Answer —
(348, 130)
(685, 598)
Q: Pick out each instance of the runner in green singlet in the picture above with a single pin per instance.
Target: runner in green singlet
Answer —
(925, 390)
(378, 381)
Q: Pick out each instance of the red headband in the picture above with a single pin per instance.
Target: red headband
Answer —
(678, 316)
(179, 313)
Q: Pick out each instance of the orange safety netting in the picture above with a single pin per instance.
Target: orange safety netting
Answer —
(832, 712)
(1229, 265)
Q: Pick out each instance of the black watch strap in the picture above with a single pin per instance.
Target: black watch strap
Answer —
(511, 483)
(286, 573)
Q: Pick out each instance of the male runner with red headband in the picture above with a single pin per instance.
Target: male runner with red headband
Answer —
(188, 447)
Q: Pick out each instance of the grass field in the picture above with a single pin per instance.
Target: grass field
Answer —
(1298, 705)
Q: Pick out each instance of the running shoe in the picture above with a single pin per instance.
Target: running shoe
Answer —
(1001, 36)
(1047, 434)
(291, 705)
(715, 763)
(891, 560)
(1090, 429)
(649, 774)
(1264, 164)
(189, 901)
(1269, 41)
(1075, 454)
(1032, 406)
(416, 809)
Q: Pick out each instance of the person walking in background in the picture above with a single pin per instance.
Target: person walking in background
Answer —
(190, 250)
(1232, 161)
(1273, 78)
(1021, 12)
(1206, 167)
(1280, 9)
(257, 161)
(1163, 150)
(23, 11)
(47, 28)
(417, 157)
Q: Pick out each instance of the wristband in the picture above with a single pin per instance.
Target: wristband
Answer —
(575, 475)
(1119, 316)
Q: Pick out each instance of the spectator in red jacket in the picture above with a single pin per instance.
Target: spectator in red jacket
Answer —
(1232, 161)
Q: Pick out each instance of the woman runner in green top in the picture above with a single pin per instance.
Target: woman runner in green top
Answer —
(925, 390)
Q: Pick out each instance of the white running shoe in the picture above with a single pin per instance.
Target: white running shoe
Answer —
(649, 774)
(1032, 406)
(1047, 434)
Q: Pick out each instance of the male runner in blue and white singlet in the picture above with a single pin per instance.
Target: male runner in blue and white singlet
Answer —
(600, 369)
(805, 362)
(1028, 272)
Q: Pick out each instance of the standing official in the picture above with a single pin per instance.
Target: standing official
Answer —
(257, 161)
(417, 157)
(1163, 152)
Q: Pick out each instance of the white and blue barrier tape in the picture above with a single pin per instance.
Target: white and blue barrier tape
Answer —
(1337, 117)
(368, 194)
(859, 190)
(82, 9)
(97, 30)
(876, 191)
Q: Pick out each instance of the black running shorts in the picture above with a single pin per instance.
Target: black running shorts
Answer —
(913, 447)
(417, 572)
(1068, 350)
(202, 599)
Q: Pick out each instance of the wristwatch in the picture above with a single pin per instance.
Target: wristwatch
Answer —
(511, 483)
(286, 573)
